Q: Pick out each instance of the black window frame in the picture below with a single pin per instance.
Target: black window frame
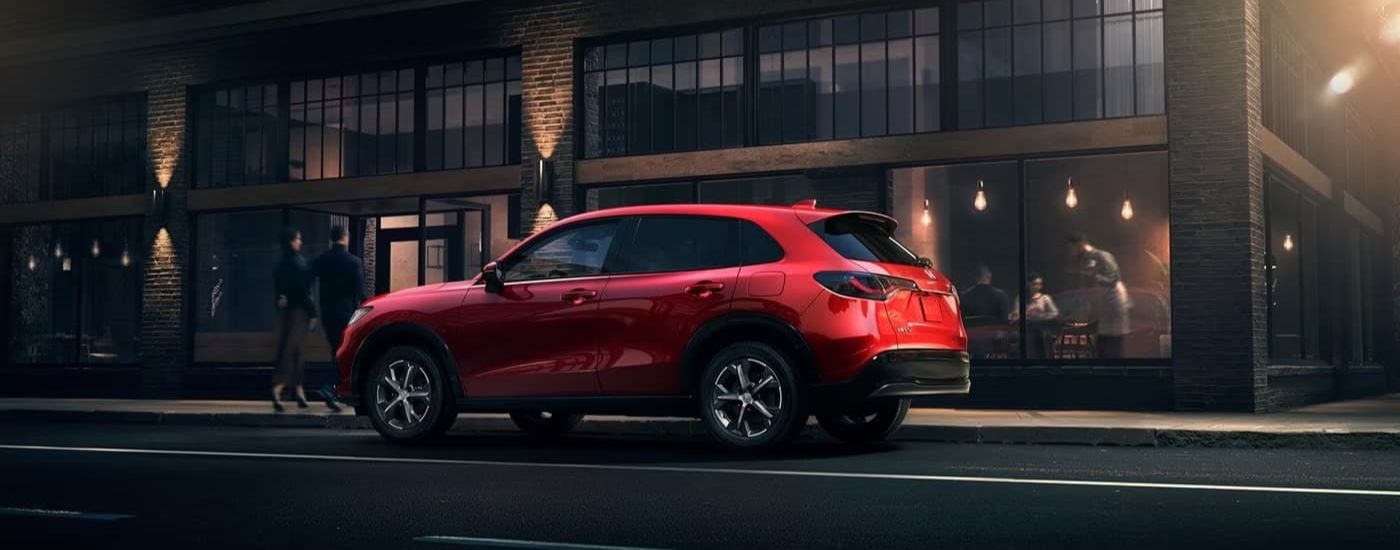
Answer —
(948, 36)
(417, 66)
(55, 131)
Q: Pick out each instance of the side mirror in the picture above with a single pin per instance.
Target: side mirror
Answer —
(491, 277)
(925, 262)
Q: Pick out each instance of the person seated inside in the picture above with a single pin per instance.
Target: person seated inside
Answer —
(985, 311)
(1041, 314)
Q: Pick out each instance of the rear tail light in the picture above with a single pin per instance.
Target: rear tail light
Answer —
(860, 284)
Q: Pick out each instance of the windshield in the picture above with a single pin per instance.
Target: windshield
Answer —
(857, 238)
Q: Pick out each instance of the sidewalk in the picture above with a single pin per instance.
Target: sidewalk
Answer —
(1358, 424)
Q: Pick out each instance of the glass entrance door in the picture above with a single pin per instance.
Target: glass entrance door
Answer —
(448, 240)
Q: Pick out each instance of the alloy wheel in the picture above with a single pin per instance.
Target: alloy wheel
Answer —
(748, 398)
(403, 394)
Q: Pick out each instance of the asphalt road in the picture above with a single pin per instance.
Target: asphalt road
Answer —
(123, 486)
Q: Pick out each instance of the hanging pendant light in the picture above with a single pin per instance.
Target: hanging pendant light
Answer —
(58, 250)
(96, 248)
(1288, 242)
(126, 256)
(1127, 211)
(980, 201)
(927, 218)
(68, 264)
(33, 263)
(1071, 198)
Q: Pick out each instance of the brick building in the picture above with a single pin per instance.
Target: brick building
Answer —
(1233, 155)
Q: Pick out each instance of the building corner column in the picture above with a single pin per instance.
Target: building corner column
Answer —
(1219, 321)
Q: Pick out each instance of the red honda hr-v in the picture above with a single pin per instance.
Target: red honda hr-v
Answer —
(752, 318)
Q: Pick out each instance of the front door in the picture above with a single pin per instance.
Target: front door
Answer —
(397, 258)
(539, 335)
(453, 247)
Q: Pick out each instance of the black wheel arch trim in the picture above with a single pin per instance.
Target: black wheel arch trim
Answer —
(693, 361)
(382, 338)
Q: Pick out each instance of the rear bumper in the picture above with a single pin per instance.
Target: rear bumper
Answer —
(902, 373)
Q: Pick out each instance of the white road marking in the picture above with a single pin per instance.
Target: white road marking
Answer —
(725, 471)
(67, 514)
(530, 544)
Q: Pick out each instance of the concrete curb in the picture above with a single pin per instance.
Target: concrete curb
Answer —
(690, 428)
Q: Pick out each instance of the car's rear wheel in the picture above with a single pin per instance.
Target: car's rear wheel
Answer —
(409, 400)
(874, 420)
(545, 423)
(750, 398)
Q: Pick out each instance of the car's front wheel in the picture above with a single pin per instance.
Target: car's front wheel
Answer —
(875, 420)
(408, 396)
(749, 397)
(544, 423)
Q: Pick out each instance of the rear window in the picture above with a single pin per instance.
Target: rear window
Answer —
(862, 239)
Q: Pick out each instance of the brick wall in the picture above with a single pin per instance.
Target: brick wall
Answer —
(1217, 212)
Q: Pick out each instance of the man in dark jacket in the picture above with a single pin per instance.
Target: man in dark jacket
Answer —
(342, 288)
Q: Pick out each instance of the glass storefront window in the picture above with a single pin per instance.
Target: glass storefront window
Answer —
(76, 292)
(1292, 254)
(966, 218)
(237, 255)
(1068, 262)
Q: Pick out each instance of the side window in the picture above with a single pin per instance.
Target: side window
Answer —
(681, 244)
(759, 247)
(573, 252)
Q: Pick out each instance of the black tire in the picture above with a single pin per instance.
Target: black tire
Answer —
(733, 427)
(438, 409)
(875, 420)
(544, 423)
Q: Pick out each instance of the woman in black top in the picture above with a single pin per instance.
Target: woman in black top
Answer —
(296, 317)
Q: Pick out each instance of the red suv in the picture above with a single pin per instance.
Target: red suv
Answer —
(750, 317)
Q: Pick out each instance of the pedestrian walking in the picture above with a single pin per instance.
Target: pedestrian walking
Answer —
(296, 316)
(341, 277)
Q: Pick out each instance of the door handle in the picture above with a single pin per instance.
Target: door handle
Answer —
(704, 288)
(579, 295)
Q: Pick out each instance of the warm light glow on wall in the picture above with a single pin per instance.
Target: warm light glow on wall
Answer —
(162, 250)
(165, 153)
(545, 216)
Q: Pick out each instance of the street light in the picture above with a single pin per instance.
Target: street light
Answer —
(1342, 82)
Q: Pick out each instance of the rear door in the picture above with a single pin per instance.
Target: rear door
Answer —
(673, 274)
(925, 314)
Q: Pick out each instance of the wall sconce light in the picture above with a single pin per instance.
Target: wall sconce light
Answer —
(980, 201)
(927, 218)
(544, 181)
(160, 205)
(1071, 198)
(1288, 242)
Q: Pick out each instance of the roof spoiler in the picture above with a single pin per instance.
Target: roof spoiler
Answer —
(809, 204)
